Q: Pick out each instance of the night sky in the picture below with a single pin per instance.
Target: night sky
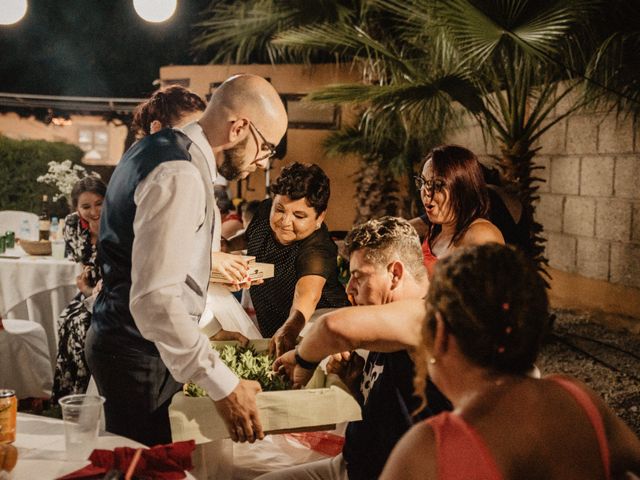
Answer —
(98, 48)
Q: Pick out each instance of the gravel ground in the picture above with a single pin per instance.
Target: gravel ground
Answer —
(618, 382)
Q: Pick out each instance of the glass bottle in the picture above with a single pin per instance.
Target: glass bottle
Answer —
(54, 229)
(25, 230)
(44, 220)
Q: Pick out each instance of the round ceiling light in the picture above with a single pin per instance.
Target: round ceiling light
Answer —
(155, 11)
(12, 11)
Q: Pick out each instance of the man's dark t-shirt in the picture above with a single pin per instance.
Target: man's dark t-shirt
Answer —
(387, 400)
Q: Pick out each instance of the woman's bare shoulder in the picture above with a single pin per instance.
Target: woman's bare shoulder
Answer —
(479, 232)
(414, 456)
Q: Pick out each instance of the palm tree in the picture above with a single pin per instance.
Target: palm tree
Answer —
(508, 63)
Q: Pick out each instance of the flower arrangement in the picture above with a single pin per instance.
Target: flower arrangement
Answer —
(64, 175)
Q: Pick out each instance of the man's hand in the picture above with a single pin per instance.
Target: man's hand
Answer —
(286, 364)
(240, 412)
(232, 267)
(285, 337)
(224, 335)
(348, 366)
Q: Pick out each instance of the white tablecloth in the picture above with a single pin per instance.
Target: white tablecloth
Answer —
(41, 453)
(37, 289)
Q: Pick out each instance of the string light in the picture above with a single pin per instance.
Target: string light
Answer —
(12, 11)
(155, 11)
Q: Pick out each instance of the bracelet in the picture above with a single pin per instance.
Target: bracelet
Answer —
(307, 365)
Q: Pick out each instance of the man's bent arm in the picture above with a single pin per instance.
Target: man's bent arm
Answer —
(170, 206)
(381, 328)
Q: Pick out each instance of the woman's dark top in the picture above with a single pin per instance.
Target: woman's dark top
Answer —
(315, 255)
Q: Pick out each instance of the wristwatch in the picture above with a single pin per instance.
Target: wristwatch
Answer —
(307, 365)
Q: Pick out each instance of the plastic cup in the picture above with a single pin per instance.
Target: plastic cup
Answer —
(81, 415)
(57, 249)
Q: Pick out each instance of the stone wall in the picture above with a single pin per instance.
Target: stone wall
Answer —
(589, 194)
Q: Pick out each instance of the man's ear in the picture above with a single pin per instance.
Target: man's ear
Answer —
(396, 269)
(238, 129)
(155, 126)
(441, 337)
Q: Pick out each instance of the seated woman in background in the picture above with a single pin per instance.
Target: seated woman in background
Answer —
(288, 231)
(455, 198)
(172, 106)
(80, 234)
(486, 316)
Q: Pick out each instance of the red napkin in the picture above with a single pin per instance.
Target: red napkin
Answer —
(328, 444)
(163, 462)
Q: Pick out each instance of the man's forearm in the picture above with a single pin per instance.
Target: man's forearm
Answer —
(321, 341)
(383, 328)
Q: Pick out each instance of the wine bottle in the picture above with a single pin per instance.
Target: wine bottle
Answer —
(44, 220)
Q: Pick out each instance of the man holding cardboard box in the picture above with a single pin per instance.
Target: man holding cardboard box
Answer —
(156, 233)
(386, 266)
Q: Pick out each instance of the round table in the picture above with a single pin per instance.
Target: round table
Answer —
(41, 450)
(37, 288)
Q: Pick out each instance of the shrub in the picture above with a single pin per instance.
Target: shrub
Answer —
(21, 163)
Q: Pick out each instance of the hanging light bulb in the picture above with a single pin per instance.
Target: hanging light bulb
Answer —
(12, 11)
(155, 11)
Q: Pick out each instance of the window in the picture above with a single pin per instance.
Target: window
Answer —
(94, 140)
(310, 115)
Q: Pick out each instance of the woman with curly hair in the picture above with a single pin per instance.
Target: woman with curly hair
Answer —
(288, 231)
(456, 202)
(486, 316)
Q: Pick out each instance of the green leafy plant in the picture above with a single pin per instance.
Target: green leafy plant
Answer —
(248, 364)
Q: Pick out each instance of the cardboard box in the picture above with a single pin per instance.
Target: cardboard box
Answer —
(256, 271)
(320, 407)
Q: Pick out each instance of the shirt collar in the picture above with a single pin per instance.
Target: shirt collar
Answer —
(196, 135)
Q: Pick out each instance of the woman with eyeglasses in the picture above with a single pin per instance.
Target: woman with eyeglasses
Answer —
(455, 199)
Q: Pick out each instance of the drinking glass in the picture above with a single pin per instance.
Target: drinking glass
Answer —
(81, 414)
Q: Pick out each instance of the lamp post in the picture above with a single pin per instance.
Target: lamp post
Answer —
(12, 11)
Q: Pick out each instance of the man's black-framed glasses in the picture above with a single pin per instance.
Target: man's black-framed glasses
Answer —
(431, 185)
(266, 146)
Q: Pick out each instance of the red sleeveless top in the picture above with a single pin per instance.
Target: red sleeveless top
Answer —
(428, 257)
(463, 455)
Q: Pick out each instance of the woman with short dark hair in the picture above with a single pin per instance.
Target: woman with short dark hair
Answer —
(80, 233)
(288, 231)
(486, 317)
(456, 201)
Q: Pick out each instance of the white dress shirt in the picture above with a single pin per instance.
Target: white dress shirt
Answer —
(172, 243)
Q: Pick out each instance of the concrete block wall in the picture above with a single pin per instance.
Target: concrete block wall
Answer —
(589, 194)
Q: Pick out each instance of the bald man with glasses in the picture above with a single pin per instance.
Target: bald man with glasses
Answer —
(157, 230)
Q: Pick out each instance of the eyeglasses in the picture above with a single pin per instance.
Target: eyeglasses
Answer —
(266, 146)
(431, 185)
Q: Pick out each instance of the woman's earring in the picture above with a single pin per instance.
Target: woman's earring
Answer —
(317, 226)
(432, 360)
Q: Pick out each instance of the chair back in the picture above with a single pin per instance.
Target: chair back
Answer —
(14, 219)
(25, 362)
